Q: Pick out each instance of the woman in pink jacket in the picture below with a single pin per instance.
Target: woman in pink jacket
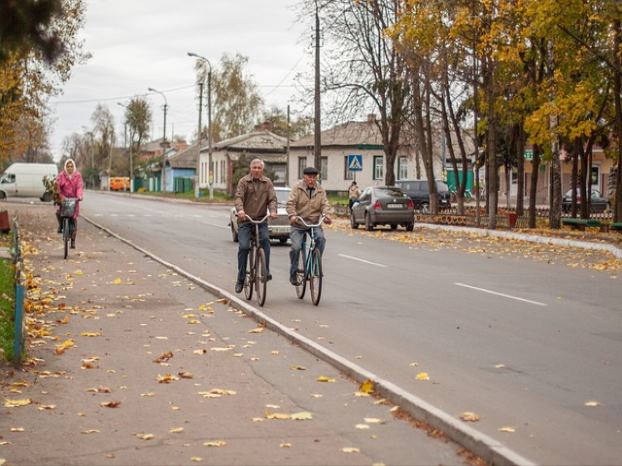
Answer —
(69, 183)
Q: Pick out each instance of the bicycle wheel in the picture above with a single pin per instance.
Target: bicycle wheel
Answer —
(300, 275)
(315, 277)
(250, 274)
(261, 273)
(66, 235)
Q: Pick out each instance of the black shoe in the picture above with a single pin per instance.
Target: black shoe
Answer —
(73, 244)
(294, 280)
(268, 277)
(239, 286)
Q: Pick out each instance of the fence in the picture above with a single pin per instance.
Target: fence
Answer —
(16, 251)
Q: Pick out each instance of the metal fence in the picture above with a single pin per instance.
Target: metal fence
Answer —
(16, 252)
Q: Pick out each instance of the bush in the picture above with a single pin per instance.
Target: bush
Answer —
(7, 307)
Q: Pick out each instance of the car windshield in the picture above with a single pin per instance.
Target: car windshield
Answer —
(389, 192)
(281, 196)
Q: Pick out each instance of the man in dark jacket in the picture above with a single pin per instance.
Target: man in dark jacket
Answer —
(254, 196)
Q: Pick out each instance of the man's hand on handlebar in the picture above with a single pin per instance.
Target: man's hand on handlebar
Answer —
(292, 219)
(242, 215)
(273, 215)
(328, 220)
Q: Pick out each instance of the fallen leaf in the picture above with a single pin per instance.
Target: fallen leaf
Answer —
(185, 375)
(117, 281)
(17, 429)
(279, 416)
(350, 450)
(507, 429)
(298, 368)
(302, 416)
(259, 329)
(323, 378)
(362, 426)
(215, 443)
(145, 436)
(196, 459)
(422, 376)
(285, 445)
(16, 403)
(373, 420)
(469, 416)
(60, 349)
(367, 387)
(90, 431)
(110, 404)
(592, 403)
(220, 349)
(46, 407)
(176, 430)
(90, 334)
(361, 394)
(166, 378)
(163, 357)
(148, 394)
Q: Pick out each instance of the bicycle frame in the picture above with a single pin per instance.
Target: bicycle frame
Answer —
(312, 263)
(253, 275)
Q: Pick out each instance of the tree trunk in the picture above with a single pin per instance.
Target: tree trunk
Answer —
(556, 190)
(617, 88)
(583, 180)
(491, 145)
(520, 158)
(533, 188)
(574, 178)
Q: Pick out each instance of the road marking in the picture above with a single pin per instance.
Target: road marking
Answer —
(501, 294)
(345, 256)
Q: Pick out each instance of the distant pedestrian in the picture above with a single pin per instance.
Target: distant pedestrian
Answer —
(69, 183)
(353, 194)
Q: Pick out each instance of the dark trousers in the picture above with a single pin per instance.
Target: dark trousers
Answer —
(245, 231)
(297, 236)
(75, 224)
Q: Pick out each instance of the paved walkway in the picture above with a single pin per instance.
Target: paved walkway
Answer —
(132, 364)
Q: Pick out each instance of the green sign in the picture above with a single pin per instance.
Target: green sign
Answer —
(528, 154)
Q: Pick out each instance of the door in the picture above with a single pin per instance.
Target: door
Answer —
(8, 184)
(358, 209)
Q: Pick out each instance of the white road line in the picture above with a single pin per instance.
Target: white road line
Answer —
(345, 256)
(501, 294)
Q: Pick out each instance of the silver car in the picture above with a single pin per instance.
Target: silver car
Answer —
(279, 227)
(383, 205)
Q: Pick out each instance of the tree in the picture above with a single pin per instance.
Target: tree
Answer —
(104, 136)
(138, 119)
(363, 71)
(298, 127)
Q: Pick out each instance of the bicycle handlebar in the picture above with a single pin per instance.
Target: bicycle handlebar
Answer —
(315, 225)
(257, 222)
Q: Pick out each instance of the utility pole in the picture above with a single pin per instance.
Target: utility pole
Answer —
(317, 144)
(287, 150)
(164, 143)
(198, 169)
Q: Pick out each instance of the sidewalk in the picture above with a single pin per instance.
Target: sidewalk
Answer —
(132, 364)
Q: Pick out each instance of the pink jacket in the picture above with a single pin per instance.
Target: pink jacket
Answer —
(71, 187)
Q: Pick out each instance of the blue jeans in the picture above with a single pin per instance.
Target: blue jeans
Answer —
(297, 236)
(245, 232)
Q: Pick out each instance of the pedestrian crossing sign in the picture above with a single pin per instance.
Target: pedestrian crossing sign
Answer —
(355, 163)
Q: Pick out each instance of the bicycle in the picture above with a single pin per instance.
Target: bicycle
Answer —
(67, 209)
(256, 271)
(311, 259)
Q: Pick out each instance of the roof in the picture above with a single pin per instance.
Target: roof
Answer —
(186, 158)
(259, 141)
(351, 133)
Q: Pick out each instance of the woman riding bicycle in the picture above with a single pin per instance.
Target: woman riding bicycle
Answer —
(307, 200)
(253, 197)
(69, 184)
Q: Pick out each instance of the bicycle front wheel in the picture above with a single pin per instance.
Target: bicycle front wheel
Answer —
(249, 280)
(300, 275)
(315, 277)
(261, 282)
(66, 235)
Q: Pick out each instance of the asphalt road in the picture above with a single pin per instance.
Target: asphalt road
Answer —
(521, 343)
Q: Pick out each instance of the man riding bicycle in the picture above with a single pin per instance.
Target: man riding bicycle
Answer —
(307, 200)
(253, 197)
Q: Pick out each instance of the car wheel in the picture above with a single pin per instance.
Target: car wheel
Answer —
(353, 223)
(234, 234)
(47, 196)
(410, 226)
(2, 196)
(393, 226)
(368, 225)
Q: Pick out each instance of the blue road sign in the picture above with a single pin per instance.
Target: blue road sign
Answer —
(355, 163)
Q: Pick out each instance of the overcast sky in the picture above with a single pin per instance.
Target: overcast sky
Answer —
(137, 44)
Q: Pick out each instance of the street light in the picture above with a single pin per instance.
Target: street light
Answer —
(164, 144)
(209, 131)
(130, 150)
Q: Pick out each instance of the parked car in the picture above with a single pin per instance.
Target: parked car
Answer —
(26, 180)
(599, 203)
(383, 205)
(279, 227)
(419, 192)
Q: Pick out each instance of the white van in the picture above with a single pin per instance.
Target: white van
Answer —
(26, 180)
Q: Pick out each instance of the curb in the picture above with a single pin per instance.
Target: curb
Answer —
(610, 248)
(489, 449)
(163, 198)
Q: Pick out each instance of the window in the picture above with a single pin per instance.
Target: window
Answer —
(302, 164)
(402, 168)
(324, 168)
(378, 167)
(223, 174)
(348, 175)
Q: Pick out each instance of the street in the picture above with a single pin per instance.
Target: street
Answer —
(522, 344)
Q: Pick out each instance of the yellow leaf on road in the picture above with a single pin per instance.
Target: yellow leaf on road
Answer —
(215, 443)
(166, 378)
(90, 431)
(90, 334)
(176, 430)
(507, 429)
(285, 445)
(593, 403)
(257, 330)
(367, 387)
(117, 281)
(423, 376)
(298, 368)
(110, 404)
(185, 375)
(46, 407)
(373, 420)
(279, 416)
(469, 416)
(350, 450)
(196, 459)
(60, 349)
(16, 403)
(17, 429)
(145, 436)
(302, 416)
(362, 426)
(323, 378)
